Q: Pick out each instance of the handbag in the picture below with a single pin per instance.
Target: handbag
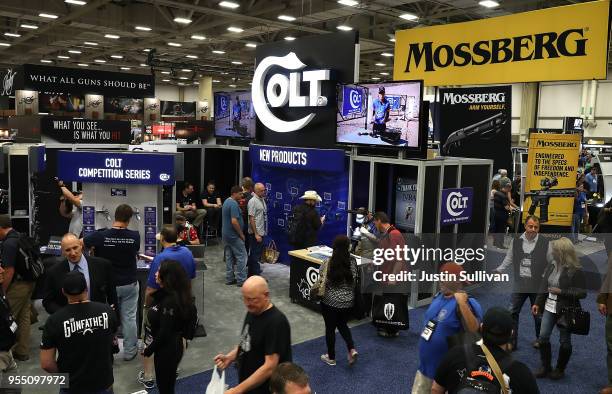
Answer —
(359, 306)
(390, 311)
(270, 254)
(317, 290)
(463, 338)
(577, 320)
(217, 383)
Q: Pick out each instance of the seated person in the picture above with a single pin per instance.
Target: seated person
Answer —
(187, 234)
(212, 203)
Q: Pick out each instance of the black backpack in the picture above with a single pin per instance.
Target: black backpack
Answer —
(29, 264)
(295, 230)
(471, 385)
(7, 325)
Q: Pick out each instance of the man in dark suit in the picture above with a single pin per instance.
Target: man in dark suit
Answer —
(97, 272)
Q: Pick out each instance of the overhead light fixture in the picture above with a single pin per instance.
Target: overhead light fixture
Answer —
(181, 84)
(5, 44)
(289, 38)
(216, 81)
(12, 34)
(83, 64)
(100, 61)
(113, 36)
(386, 54)
(235, 29)
(250, 45)
(344, 28)
(186, 70)
(117, 56)
(63, 57)
(489, 3)
(375, 78)
(236, 63)
(125, 68)
(381, 64)
(165, 80)
(184, 21)
(191, 56)
(384, 73)
(232, 86)
(90, 43)
(218, 52)
(409, 17)
(74, 51)
(75, 2)
(229, 4)
(166, 72)
(144, 65)
(350, 3)
(49, 16)
(45, 61)
(198, 37)
(183, 78)
(175, 44)
(146, 50)
(287, 18)
(392, 39)
(26, 26)
(142, 28)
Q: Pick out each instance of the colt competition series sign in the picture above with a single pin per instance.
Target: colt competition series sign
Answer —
(562, 43)
(551, 177)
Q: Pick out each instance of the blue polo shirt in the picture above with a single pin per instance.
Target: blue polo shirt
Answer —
(580, 204)
(177, 253)
(380, 110)
(592, 181)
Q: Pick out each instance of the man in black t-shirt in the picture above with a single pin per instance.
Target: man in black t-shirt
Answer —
(212, 203)
(81, 333)
(186, 205)
(120, 246)
(466, 367)
(265, 340)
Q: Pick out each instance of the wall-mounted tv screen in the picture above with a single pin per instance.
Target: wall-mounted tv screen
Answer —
(185, 109)
(123, 106)
(60, 102)
(380, 114)
(234, 115)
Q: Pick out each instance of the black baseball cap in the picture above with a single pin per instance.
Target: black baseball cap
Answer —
(74, 283)
(381, 89)
(497, 326)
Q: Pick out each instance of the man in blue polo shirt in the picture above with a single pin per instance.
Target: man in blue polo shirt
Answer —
(380, 113)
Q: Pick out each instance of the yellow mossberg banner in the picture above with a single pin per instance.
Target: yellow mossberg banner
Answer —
(551, 177)
(562, 43)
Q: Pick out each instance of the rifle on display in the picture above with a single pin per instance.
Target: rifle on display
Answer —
(542, 197)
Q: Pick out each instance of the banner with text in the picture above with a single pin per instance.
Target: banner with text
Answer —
(330, 160)
(85, 131)
(551, 177)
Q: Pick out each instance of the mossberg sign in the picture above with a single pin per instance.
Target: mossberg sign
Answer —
(556, 144)
(476, 98)
(563, 43)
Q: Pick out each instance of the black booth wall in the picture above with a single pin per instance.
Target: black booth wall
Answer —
(430, 213)
(473, 176)
(361, 184)
(222, 166)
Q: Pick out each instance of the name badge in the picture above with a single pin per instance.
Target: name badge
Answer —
(525, 268)
(429, 329)
(551, 303)
(582, 205)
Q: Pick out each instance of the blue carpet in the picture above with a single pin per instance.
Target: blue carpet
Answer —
(389, 365)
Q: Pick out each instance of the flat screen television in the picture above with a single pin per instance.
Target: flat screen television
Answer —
(381, 114)
(123, 106)
(234, 115)
(59, 102)
(185, 109)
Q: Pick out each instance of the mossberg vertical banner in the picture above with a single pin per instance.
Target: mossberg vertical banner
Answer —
(563, 43)
(551, 177)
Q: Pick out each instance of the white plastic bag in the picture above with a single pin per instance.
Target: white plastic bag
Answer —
(217, 383)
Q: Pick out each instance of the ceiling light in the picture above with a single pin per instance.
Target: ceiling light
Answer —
(49, 16)
(184, 21)
(216, 81)
(75, 2)
(26, 26)
(381, 64)
(12, 34)
(165, 72)
(344, 28)
(350, 3)
(191, 56)
(63, 57)
(384, 73)
(375, 78)
(125, 68)
(289, 38)
(218, 52)
(165, 80)
(251, 45)
(142, 28)
(181, 84)
(237, 63)
(409, 17)
(229, 4)
(83, 64)
(392, 39)
(113, 36)
(197, 37)
(489, 3)
(175, 44)
(232, 86)
(183, 78)
(186, 70)
(100, 61)
(90, 43)
(144, 65)
(45, 61)
(74, 51)
(287, 18)
(146, 50)
(235, 29)
(386, 54)
(117, 56)
(5, 44)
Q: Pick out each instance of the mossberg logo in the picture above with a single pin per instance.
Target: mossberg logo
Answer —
(550, 45)
(474, 98)
(556, 144)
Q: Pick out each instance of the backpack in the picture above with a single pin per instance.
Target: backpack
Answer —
(29, 264)
(473, 385)
(295, 227)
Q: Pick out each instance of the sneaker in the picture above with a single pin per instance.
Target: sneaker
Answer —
(352, 357)
(147, 384)
(325, 358)
(11, 367)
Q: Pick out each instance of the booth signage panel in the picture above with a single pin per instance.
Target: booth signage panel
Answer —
(551, 177)
(554, 44)
(331, 160)
(573, 124)
(303, 111)
(117, 168)
(477, 123)
(353, 100)
(71, 80)
(456, 206)
(85, 131)
(405, 203)
(604, 158)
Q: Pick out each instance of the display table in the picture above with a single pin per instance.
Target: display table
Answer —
(303, 273)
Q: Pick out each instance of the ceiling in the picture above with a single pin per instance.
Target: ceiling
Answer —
(78, 36)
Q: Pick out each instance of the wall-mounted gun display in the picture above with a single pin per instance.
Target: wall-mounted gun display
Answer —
(541, 198)
(483, 130)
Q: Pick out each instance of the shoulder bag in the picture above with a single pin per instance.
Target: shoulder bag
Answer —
(465, 337)
(317, 290)
(270, 254)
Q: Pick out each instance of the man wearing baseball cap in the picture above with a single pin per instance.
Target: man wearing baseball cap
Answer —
(380, 113)
(469, 367)
(82, 324)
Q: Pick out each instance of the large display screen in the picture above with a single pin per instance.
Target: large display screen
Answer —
(381, 114)
(122, 105)
(59, 102)
(186, 109)
(234, 115)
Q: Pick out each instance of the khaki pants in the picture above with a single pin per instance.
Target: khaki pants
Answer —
(18, 295)
(422, 384)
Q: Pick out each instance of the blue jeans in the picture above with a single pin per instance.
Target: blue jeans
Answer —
(127, 297)
(576, 220)
(548, 323)
(516, 304)
(255, 255)
(235, 253)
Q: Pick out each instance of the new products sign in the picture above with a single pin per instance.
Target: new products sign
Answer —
(118, 168)
(554, 44)
(551, 177)
(85, 131)
(331, 160)
(476, 122)
(456, 206)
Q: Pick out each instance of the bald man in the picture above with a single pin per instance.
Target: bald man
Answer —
(265, 341)
(258, 228)
(97, 271)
